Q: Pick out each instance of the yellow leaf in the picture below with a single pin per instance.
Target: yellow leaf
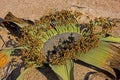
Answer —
(3, 59)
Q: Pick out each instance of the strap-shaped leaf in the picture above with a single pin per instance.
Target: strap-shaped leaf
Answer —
(18, 21)
(112, 39)
(98, 57)
(64, 72)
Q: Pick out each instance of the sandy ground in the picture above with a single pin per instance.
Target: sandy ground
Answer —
(34, 9)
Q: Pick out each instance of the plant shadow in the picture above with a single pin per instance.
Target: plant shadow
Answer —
(15, 73)
(48, 73)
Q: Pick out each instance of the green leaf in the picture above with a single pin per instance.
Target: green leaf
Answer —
(64, 72)
(98, 57)
(8, 51)
(112, 39)
(27, 69)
